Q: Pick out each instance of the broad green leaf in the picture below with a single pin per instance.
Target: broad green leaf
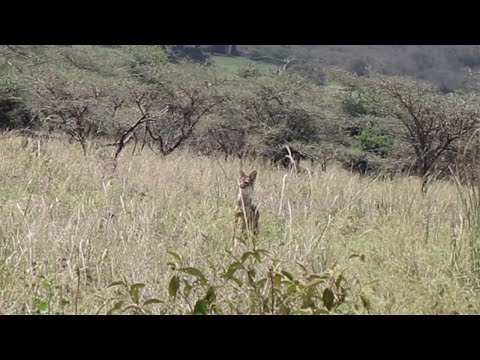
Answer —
(302, 312)
(117, 283)
(217, 310)
(321, 312)
(328, 298)
(239, 282)
(292, 289)
(47, 284)
(135, 307)
(339, 280)
(308, 298)
(195, 272)
(277, 280)
(135, 293)
(152, 301)
(175, 255)
(210, 297)
(246, 255)
(257, 254)
(366, 302)
(314, 282)
(187, 289)
(288, 275)
(315, 276)
(116, 308)
(173, 286)
(232, 269)
(261, 283)
(201, 307)
(343, 308)
(42, 305)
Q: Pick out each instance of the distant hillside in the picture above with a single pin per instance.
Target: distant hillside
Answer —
(442, 64)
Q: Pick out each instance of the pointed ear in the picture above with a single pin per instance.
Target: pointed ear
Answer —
(253, 174)
(242, 174)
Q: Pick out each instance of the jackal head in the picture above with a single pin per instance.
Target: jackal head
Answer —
(247, 180)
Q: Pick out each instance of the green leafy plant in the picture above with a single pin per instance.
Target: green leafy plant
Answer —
(372, 140)
(49, 297)
(255, 282)
(130, 299)
(195, 282)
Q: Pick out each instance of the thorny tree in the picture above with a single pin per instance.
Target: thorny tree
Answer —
(433, 122)
(262, 120)
(186, 107)
(169, 113)
(78, 106)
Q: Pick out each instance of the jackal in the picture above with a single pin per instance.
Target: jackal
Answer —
(247, 211)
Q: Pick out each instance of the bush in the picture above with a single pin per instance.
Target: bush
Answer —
(359, 67)
(354, 106)
(181, 52)
(371, 140)
(13, 113)
(254, 282)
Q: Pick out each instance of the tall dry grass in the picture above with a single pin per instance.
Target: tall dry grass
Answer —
(70, 226)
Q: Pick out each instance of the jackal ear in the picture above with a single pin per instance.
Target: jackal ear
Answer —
(242, 174)
(253, 174)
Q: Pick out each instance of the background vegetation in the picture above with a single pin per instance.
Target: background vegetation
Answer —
(120, 167)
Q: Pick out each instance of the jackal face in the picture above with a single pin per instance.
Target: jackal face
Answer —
(247, 180)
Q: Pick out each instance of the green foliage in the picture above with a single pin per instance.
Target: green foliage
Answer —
(359, 67)
(436, 63)
(13, 113)
(99, 60)
(195, 53)
(265, 111)
(248, 71)
(274, 54)
(354, 105)
(371, 140)
(254, 282)
(49, 297)
(237, 65)
(433, 122)
(128, 299)
(145, 63)
(234, 107)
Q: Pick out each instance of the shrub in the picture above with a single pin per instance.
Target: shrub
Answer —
(371, 140)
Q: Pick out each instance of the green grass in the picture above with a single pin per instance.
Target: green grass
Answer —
(69, 227)
(231, 65)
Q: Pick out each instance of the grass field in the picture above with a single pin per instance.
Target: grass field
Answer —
(70, 227)
(230, 65)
